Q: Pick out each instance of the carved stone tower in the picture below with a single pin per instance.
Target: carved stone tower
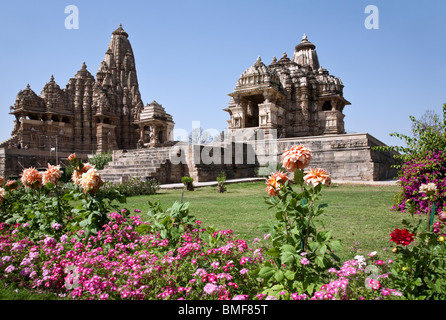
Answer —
(88, 115)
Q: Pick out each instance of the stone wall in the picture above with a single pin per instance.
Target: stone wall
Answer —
(347, 156)
(13, 161)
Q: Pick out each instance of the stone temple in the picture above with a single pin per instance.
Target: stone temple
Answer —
(272, 107)
(88, 116)
(296, 97)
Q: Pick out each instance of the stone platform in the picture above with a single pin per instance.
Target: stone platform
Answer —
(347, 157)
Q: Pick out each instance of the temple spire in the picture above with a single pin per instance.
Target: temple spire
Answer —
(305, 54)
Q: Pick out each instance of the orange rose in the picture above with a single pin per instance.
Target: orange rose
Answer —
(90, 181)
(77, 174)
(317, 176)
(51, 175)
(2, 194)
(297, 157)
(11, 184)
(275, 182)
(31, 178)
(72, 157)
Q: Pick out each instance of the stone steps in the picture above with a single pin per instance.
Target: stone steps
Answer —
(142, 163)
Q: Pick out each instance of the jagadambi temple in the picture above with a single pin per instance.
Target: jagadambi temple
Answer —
(296, 97)
(288, 102)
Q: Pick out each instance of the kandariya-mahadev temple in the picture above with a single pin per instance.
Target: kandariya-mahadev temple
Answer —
(290, 101)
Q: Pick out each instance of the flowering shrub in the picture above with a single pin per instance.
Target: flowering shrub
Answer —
(44, 204)
(121, 263)
(359, 279)
(423, 171)
(95, 203)
(421, 254)
(39, 204)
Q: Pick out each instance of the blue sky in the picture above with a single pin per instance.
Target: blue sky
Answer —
(190, 53)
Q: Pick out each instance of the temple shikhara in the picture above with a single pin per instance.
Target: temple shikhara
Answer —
(290, 101)
(91, 115)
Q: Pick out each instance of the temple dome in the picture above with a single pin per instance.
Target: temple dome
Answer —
(84, 73)
(305, 54)
(120, 31)
(257, 74)
(28, 99)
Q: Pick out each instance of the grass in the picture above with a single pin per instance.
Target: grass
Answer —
(358, 215)
(12, 291)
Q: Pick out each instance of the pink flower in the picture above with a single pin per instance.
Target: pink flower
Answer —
(373, 284)
(297, 296)
(304, 261)
(210, 288)
(244, 271)
(9, 269)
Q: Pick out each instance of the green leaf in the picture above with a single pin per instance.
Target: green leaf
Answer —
(288, 248)
(319, 261)
(335, 245)
(310, 288)
(279, 276)
(266, 273)
(142, 228)
(418, 282)
(288, 258)
(290, 275)
(274, 252)
(322, 249)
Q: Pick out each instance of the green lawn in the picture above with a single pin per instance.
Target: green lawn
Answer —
(359, 216)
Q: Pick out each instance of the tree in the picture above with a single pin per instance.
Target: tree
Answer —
(428, 121)
(428, 135)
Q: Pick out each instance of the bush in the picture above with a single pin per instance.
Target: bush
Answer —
(300, 253)
(221, 179)
(100, 160)
(188, 183)
(415, 173)
(135, 186)
(424, 139)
